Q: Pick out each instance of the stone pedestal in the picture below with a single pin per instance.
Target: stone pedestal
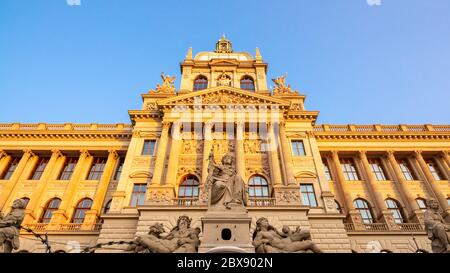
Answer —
(225, 229)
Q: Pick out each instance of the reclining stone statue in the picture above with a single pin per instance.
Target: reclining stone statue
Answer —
(10, 226)
(181, 239)
(436, 228)
(266, 239)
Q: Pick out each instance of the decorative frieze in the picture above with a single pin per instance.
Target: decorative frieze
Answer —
(287, 196)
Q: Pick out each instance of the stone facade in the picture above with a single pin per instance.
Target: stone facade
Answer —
(224, 105)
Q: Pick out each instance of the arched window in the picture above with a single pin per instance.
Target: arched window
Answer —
(338, 206)
(394, 207)
(363, 207)
(247, 83)
(200, 83)
(26, 200)
(107, 206)
(422, 204)
(51, 207)
(258, 187)
(188, 187)
(80, 211)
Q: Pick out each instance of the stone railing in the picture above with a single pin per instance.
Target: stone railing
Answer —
(65, 127)
(41, 227)
(411, 227)
(261, 202)
(37, 227)
(383, 227)
(185, 202)
(382, 128)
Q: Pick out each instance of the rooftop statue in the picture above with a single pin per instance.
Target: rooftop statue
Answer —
(181, 239)
(436, 228)
(10, 226)
(266, 239)
(167, 86)
(280, 86)
(225, 186)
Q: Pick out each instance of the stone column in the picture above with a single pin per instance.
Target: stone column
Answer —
(275, 170)
(7, 190)
(61, 215)
(207, 145)
(4, 161)
(384, 215)
(33, 206)
(287, 156)
(446, 158)
(175, 149)
(99, 197)
(239, 150)
(432, 182)
(119, 197)
(161, 154)
(411, 203)
(353, 215)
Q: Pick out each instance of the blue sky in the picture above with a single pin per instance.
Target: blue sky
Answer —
(355, 62)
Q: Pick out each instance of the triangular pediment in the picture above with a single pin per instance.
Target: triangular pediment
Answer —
(223, 95)
(218, 62)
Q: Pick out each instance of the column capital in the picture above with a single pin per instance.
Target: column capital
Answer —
(334, 153)
(362, 153)
(166, 124)
(56, 152)
(2, 153)
(310, 133)
(29, 152)
(417, 153)
(113, 152)
(84, 152)
(137, 133)
(390, 153)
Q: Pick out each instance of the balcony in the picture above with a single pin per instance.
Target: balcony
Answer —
(383, 227)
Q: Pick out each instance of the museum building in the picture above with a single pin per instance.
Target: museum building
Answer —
(357, 188)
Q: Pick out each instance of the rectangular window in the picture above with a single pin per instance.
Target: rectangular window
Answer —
(327, 170)
(69, 167)
(309, 197)
(119, 169)
(96, 171)
(406, 170)
(138, 196)
(10, 169)
(149, 147)
(40, 167)
(349, 169)
(298, 149)
(377, 169)
(435, 171)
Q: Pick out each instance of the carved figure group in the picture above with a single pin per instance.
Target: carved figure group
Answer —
(167, 86)
(10, 226)
(181, 239)
(436, 228)
(266, 239)
(280, 86)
